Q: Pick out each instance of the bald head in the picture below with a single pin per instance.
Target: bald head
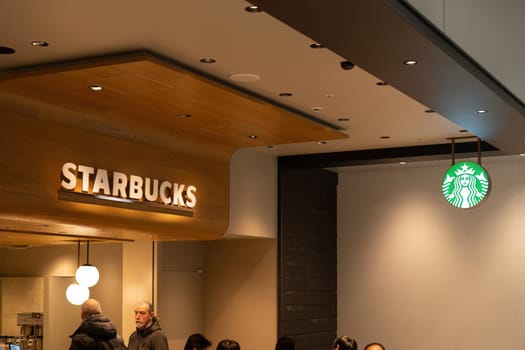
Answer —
(90, 307)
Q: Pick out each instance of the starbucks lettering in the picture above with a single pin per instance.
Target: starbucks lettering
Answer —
(124, 187)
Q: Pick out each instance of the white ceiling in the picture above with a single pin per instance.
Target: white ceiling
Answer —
(186, 31)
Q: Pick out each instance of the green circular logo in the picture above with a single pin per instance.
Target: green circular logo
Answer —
(465, 184)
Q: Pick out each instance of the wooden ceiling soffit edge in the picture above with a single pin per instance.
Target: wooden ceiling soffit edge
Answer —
(268, 119)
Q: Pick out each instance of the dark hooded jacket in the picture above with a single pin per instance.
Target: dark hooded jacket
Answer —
(151, 338)
(97, 332)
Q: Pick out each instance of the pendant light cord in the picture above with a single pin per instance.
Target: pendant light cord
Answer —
(87, 252)
(78, 254)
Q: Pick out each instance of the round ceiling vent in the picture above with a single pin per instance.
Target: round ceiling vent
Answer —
(245, 78)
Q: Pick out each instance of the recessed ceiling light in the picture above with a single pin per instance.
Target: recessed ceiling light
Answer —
(253, 137)
(382, 83)
(463, 130)
(39, 43)
(429, 111)
(384, 137)
(317, 108)
(402, 163)
(285, 94)
(329, 95)
(96, 88)
(481, 111)
(316, 46)
(252, 9)
(410, 62)
(207, 60)
(184, 115)
(343, 119)
(522, 154)
(6, 50)
(244, 78)
(321, 142)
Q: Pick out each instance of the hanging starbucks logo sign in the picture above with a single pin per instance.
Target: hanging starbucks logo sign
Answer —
(465, 184)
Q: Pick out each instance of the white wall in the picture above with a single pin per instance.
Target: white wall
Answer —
(241, 292)
(181, 290)
(418, 274)
(136, 284)
(253, 194)
(234, 296)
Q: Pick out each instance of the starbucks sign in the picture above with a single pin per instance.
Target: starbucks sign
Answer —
(465, 184)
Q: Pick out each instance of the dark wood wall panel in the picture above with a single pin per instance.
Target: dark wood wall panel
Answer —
(308, 257)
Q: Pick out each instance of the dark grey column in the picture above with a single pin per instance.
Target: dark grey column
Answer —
(307, 253)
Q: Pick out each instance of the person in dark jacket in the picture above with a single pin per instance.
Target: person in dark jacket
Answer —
(344, 343)
(149, 335)
(96, 331)
(228, 344)
(197, 341)
(285, 343)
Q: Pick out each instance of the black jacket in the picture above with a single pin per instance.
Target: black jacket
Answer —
(151, 338)
(97, 332)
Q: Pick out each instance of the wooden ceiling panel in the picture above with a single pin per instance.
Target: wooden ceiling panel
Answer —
(145, 92)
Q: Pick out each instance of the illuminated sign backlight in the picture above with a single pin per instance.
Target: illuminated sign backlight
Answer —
(465, 184)
(87, 184)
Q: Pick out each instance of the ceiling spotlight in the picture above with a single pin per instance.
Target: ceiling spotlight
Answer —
(252, 9)
(481, 111)
(402, 163)
(39, 43)
(522, 154)
(347, 65)
(317, 109)
(343, 119)
(463, 130)
(184, 115)
(410, 62)
(316, 46)
(252, 137)
(285, 94)
(270, 146)
(96, 88)
(6, 50)
(382, 83)
(207, 60)
(429, 111)
(321, 142)
(384, 137)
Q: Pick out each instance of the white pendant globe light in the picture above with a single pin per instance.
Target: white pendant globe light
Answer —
(87, 274)
(76, 294)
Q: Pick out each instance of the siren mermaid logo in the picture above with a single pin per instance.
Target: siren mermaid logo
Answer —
(465, 184)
